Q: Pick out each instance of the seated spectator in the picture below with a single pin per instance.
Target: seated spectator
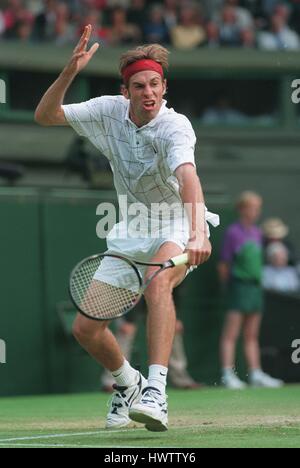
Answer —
(275, 230)
(278, 275)
(94, 4)
(118, 4)
(230, 31)
(64, 30)
(280, 37)
(212, 35)
(23, 30)
(99, 32)
(15, 15)
(248, 39)
(222, 112)
(155, 29)
(243, 16)
(171, 13)
(44, 25)
(2, 23)
(122, 32)
(295, 15)
(136, 13)
(189, 33)
(211, 8)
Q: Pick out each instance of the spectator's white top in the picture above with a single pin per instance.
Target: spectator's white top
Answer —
(143, 159)
(283, 279)
(287, 39)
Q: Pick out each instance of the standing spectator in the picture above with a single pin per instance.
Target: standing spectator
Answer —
(189, 33)
(240, 271)
(278, 275)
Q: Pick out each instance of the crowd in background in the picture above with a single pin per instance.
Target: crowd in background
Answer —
(183, 24)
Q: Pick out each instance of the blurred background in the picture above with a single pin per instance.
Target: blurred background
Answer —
(232, 66)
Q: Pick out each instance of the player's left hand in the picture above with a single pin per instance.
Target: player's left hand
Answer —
(199, 251)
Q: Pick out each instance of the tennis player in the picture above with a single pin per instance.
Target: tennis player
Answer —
(151, 151)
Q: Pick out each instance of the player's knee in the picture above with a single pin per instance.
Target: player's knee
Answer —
(159, 286)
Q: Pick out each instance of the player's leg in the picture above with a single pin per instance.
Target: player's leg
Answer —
(100, 343)
(161, 319)
(152, 408)
(230, 335)
(125, 334)
(96, 338)
(252, 350)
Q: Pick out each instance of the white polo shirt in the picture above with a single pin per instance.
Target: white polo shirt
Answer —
(144, 159)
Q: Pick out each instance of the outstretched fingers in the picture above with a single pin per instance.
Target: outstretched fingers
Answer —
(93, 49)
(83, 42)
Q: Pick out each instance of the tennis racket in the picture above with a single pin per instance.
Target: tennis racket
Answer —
(108, 286)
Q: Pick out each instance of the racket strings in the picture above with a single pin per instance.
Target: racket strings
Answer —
(96, 297)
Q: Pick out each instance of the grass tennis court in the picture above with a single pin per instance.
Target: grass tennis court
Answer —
(205, 418)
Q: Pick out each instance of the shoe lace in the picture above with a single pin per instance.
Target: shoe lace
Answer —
(117, 399)
(153, 395)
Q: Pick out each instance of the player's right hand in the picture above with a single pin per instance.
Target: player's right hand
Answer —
(81, 56)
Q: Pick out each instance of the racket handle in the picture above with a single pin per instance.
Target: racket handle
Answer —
(180, 260)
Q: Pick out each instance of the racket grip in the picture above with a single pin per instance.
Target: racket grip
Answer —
(180, 260)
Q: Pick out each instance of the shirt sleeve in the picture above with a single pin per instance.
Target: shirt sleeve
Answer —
(227, 249)
(83, 117)
(180, 148)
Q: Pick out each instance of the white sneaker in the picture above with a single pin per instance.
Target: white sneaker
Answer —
(260, 379)
(231, 381)
(151, 410)
(120, 402)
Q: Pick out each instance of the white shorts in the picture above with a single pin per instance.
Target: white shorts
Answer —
(142, 249)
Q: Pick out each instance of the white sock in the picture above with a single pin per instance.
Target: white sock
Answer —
(126, 376)
(158, 377)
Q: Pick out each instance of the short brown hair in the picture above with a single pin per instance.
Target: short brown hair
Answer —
(154, 52)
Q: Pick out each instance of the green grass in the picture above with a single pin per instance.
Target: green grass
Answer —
(205, 418)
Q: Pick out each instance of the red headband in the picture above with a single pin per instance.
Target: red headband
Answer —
(141, 65)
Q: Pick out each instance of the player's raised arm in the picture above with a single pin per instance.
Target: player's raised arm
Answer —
(49, 111)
